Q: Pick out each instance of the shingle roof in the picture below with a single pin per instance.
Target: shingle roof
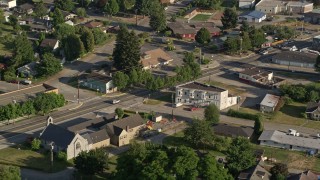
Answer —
(312, 106)
(257, 172)
(49, 43)
(233, 131)
(26, 6)
(86, 124)
(306, 175)
(200, 86)
(60, 136)
(254, 71)
(99, 77)
(155, 57)
(294, 56)
(93, 24)
(270, 100)
(283, 138)
(131, 122)
(99, 136)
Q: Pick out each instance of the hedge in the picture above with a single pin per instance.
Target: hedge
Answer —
(239, 114)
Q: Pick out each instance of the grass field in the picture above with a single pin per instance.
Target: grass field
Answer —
(30, 159)
(5, 44)
(201, 17)
(290, 114)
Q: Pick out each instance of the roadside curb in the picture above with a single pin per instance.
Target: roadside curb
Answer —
(81, 103)
(114, 95)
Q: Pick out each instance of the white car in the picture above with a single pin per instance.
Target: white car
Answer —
(115, 101)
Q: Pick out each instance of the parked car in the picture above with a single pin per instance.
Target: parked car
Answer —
(26, 82)
(264, 52)
(13, 81)
(115, 101)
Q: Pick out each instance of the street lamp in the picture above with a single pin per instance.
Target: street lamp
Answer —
(51, 158)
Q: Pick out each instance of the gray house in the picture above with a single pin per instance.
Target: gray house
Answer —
(269, 103)
(313, 110)
(294, 58)
(280, 139)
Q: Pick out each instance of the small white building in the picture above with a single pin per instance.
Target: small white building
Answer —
(246, 4)
(253, 16)
(280, 139)
(269, 103)
(194, 93)
(100, 83)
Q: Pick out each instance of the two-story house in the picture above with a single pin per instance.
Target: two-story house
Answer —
(123, 130)
(194, 93)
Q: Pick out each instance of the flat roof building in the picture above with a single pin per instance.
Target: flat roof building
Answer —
(269, 103)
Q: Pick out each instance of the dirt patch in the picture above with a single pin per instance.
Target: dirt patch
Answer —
(300, 161)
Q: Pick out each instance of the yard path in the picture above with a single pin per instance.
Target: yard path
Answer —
(28, 174)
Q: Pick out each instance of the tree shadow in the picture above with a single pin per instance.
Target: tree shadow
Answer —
(293, 110)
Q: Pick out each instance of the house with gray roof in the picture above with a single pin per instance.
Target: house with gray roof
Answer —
(252, 16)
(99, 82)
(198, 94)
(280, 139)
(62, 139)
(123, 130)
(294, 58)
(313, 110)
(233, 131)
(257, 172)
(269, 103)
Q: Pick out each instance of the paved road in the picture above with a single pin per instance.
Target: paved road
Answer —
(28, 174)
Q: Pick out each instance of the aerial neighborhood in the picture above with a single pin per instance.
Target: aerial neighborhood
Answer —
(160, 89)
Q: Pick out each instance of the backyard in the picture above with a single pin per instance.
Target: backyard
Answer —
(201, 17)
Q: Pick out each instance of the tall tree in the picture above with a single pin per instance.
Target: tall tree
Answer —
(231, 45)
(126, 54)
(158, 20)
(246, 42)
(199, 133)
(119, 112)
(66, 5)
(239, 155)
(112, 7)
(229, 18)
(9, 172)
(210, 170)
(212, 114)
(128, 4)
(40, 10)
(257, 38)
(23, 50)
(99, 36)
(87, 39)
(81, 12)
(258, 127)
(49, 66)
(64, 30)
(84, 3)
(2, 18)
(92, 162)
(73, 47)
(203, 36)
(120, 80)
(245, 26)
(185, 163)
(57, 17)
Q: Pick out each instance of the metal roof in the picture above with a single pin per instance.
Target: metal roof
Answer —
(270, 100)
(255, 14)
(283, 138)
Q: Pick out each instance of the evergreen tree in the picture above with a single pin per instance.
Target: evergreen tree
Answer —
(212, 114)
(158, 20)
(229, 18)
(99, 36)
(111, 7)
(66, 5)
(50, 65)
(209, 169)
(317, 65)
(258, 127)
(23, 51)
(73, 47)
(257, 38)
(231, 45)
(126, 54)
(203, 36)
(246, 42)
(81, 12)
(57, 17)
(64, 30)
(120, 80)
(87, 39)
(245, 26)
(40, 10)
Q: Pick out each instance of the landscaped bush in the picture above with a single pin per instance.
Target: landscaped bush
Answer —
(239, 114)
(62, 156)
(301, 93)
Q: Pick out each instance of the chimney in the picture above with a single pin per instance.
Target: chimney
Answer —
(127, 128)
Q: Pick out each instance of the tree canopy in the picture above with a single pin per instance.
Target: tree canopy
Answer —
(199, 133)
(87, 39)
(203, 36)
(73, 47)
(66, 5)
(279, 170)
(50, 65)
(23, 51)
(9, 172)
(40, 10)
(120, 80)
(229, 18)
(258, 127)
(112, 7)
(64, 30)
(158, 20)
(126, 54)
(92, 162)
(57, 17)
(212, 114)
(209, 169)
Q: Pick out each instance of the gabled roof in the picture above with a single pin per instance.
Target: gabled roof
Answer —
(312, 107)
(233, 131)
(49, 43)
(99, 136)
(200, 86)
(60, 136)
(155, 57)
(26, 6)
(257, 172)
(117, 127)
(254, 14)
(93, 24)
(306, 175)
(99, 77)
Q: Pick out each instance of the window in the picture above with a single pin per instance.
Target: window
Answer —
(185, 93)
(179, 93)
(78, 146)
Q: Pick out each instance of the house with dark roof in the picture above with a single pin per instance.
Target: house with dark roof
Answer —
(252, 16)
(25, 8)
(305, 175)
(97, 139)
(189, 30)
(294, 58)
(51, 44)
(246, 4)
(198, 94)
(233, 131)
(93, 24)
(123, 130)
(257, 172)
(256, 75)
(313, 110)
(62, 139)
(99, 82)
(68, 15)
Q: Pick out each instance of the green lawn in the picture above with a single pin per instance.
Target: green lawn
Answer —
(201, 17)
(291, 114)
(30, 159)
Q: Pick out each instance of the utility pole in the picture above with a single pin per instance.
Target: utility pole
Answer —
(200, 55)
(240, 45)
(172, 105)
(78, 89)
(136, 11)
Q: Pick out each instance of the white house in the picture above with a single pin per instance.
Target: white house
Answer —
(256, 75)
(194, 93)
(279, 139)
(99, 82)
(269, 103)
(253, 16)
(8, 3)
(246, 4)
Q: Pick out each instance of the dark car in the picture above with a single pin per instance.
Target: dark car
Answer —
(13, 81)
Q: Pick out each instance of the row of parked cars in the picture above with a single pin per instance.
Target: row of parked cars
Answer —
(25, 82)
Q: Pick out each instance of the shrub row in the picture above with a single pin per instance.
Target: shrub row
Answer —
(239, 114)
